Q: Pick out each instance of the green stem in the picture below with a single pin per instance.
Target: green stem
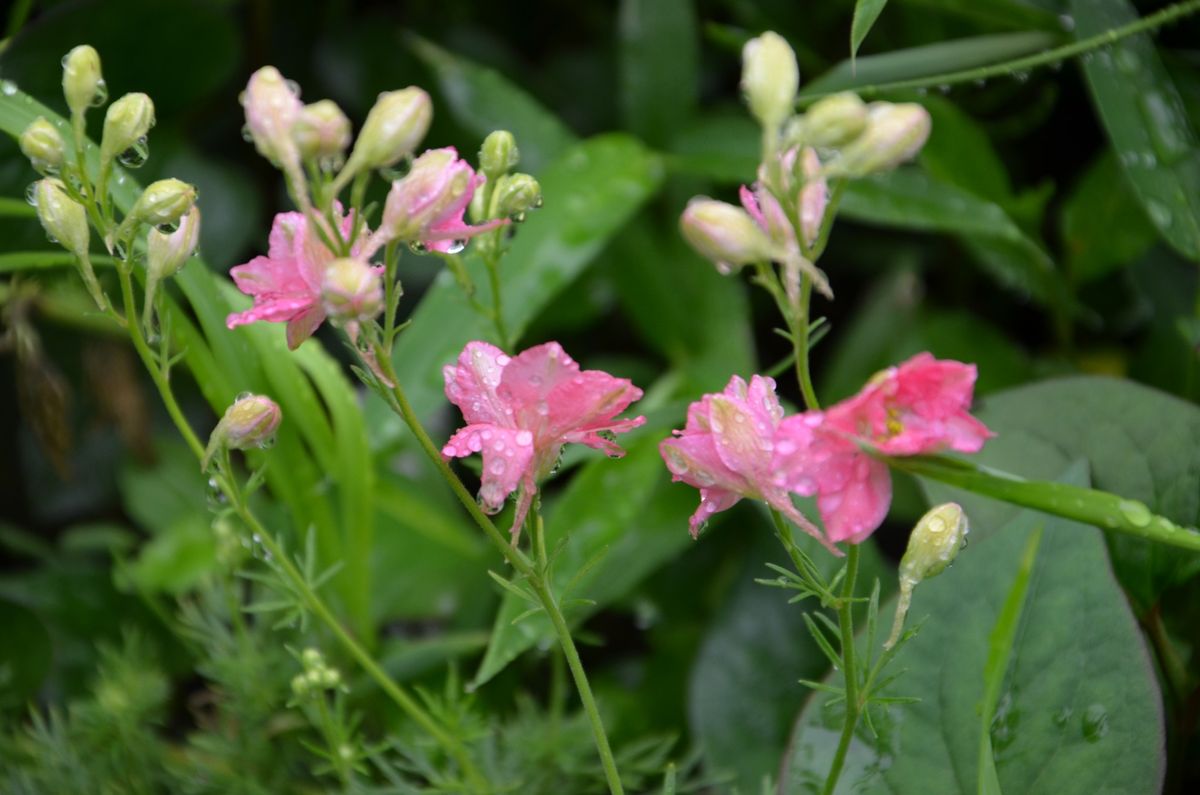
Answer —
(800, 344)
(493, 269)
(849, 671)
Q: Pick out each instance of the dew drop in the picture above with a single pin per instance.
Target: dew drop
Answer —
(1127, 61)
(524, 438)
(243, 396)
(487, 507)
(247, 134)
(1159, 214)
(456, 247)
(267, 443)
(101, 94)
(31, 194)
(136, 155)
(1063, 716)
(417, 247)
(8, 88)
(1066, 22)
(1135, 512)
(1094, 723)
(213, 495)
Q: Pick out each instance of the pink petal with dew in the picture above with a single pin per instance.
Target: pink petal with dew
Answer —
(268, 276)
(742, 440)
(693, 459)
(712, 501)
(507, 463)
(271, 310)
(447, 237)
(854, 511)
(472, 384)
(750, 203)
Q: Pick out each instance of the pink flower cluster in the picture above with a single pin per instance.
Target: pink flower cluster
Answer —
(738, 444)
(521, 410)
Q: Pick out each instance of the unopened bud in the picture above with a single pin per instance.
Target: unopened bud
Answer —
(162, 203)
(770, 78)
(299, 685)
(322, 132)
(516, 193)
(894, 134)
(250, 422)
(83, 84)
(272, 108)
(499, 154)
(835, 120)
(166, 253)
(312, 658)
(394, 126)
(351, 291)
(125, 125)
(42, 144)
(330, 678)
(814, 196)
(933, 545)
(65, 221)
(725, 234)
(437, 181)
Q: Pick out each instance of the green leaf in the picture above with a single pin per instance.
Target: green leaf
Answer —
(1080, 709)
(1103, 226)
(1144, 116)
(25, 654)
(170, 490)
(659, 66)
(865, 14)
(178, 558)
(960, 153)
(724, 148)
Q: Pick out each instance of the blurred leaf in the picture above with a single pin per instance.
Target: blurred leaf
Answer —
(178, 558)
(1141, 444)
(723, 148)
(406, 659)
(170, 490)
(865, 14)
(960, 153)
(1014, 14)
(484, 100)
(659, 69)
(1146, 122)
(25, 654)
(1080, 709)
(1103, 226)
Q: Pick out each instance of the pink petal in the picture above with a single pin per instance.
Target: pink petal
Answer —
(693, 459)
(712, 501)
(507, 459)
(854, 511)
(743, 440)
(472, 384)
(267, 276)
(303, 325)
(272, 311)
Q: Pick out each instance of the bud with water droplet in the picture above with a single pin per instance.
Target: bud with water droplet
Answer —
(933, 545)
(894, 134)
(437, 181)
(43, 145)
(394, 126)
(351, 291)
(516, 193)
(125, 125)
(322, 132)
(725, 234)
(166, 253)
(770, 78)
(835, 120)
(162, 203)
(65, 221)
(272, 108)
(250, 422)
(499, 154)
(82, 82)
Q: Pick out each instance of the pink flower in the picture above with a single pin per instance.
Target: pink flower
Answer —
(286, 284)
(521, 410)
(728, 449)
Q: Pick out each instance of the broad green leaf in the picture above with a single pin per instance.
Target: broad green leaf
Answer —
(25, 654)
(659, 69)
(1145, 119)
(483, 100)
(929, 60)
(1103, 226)
(1080, 708)
(865, 14)
(1141, 444)
(960, 153)
(1008, 14)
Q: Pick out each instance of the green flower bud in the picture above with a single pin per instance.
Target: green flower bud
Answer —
(330, 678)
(322, 132)
(125, 126)
(835, 120)
(394, 127)
(894, 134)
(83, 84)
(312, 658)
(770, 78)
(43, 145)
(725, 234)
(162, 203)
(516, 193)
(499, 154)
(351, 291)
(932, 547)
(65, 221)
(300, 685)
(250, 422)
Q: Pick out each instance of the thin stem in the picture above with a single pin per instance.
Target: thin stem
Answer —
(1029, 62)
(849, 672)
(493, 269)
(800, 344)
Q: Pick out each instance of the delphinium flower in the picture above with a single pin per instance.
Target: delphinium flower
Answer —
(521, 410)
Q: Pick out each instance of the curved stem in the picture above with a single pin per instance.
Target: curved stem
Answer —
(849, 671)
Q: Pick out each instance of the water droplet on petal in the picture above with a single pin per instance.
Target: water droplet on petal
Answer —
(524, 438)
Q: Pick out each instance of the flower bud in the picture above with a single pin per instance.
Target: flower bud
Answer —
(351, 291)
(312, 658)
(933, 545)
(835, 120)
(162, 203)
(437, 181)
(814, 196)
(83, 85)
(894, 134)
(125, 125)
(322, 132)
(250, 422)
(166, 253)
(330, 678)
(299, 685)
(770, 78)
(516, 193)
(65, 221)
(272, 108)
(498, 154)
(395, 125)
(725, 234)
(43, 145)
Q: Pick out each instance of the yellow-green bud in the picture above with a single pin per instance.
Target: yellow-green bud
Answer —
(351, 291)
(499, 154)
(894, 134)
(312, 658)
(166, 253)
(300, 685)
(43, 145)
(770, 78)
(125, 126)
(725, 234)
(516, 193)
(330, 678)
(65, 221)
(250, 422)
(162, 203)
(83, 84)
(835, 120)
(322, 132)
(394, 126)
(933, 545)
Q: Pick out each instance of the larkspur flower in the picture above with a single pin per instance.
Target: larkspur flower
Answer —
(521, 410)
(727, 450)
(286, 284)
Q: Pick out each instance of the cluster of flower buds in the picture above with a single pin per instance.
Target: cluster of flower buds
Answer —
(932, 547)
(317, 677)
(782, 217)
(249, 423)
